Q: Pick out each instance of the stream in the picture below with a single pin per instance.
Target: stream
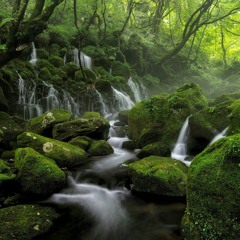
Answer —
(98, 203)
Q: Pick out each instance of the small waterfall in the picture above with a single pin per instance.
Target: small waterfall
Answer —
(86, 61)
(28, 99)
(220, 135)
(124, 102)
(33, 59)
(105, 109)
(180, 150)
(70, 104)
(135, 89)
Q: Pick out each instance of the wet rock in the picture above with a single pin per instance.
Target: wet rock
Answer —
(100, 148)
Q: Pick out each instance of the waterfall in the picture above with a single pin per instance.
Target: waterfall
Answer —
(135, 88)
(105, 110)
(124, 102)
(86, 61)
(180, 150)
(220, 135)
(33, 59)
(28, 99)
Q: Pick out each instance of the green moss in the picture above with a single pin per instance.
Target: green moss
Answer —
(64, 154)
(24, 222)
(161, 117)
(100, 148)
(70, 69)
(96, 128)
(234, 126)
(121, 69)
(213, 192)
(81, 141)
(159, 175)
(6, 174)
(157, 148)
(91, 115)
(44, 123)
(56, 61)
(37, 174)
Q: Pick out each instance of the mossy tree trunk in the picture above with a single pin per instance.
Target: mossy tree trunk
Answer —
(22, 28)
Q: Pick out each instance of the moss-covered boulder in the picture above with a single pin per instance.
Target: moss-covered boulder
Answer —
(161, 117)
(159, 175)
(123, 116)
(9, 129)
(100, 148)
(38, 174)
(83, 142)
(96, 128)
(157, 148)
(24, 222)
(91, 115)
(213, 192)
(206, 124)
(64, 154)
(44, 123)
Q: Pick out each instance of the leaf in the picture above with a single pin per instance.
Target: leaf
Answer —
(6, 20)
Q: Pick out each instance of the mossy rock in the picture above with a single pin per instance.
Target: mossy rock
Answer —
(96, 128)
(91, 115)
(64, 154)
(130, 145)
(24, 222)
(70, 69)
(159, 175)
(226, 98)
(45, 74)
(157, 148)
(205, 124)
(123, 116)
(100, 148)
(161, 117)
(44, 123)
(103, 86)
(38, 174)
(8, 154)
(9, 128)
(234, 125)
(121, 69)
(81, 141)
(213, 205)
(56, 61)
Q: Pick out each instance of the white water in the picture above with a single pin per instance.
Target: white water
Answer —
(85, 60)
(28, 100)
(220, 135)
(135, 88)
(123, 101)
(33, 59)
(180, 150)
(103, 205)
(105, 110)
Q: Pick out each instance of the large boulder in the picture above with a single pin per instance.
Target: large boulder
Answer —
(96, 128)
(64, 154)
(213, 196)
(206, 124)
(25, 222)
(100, 148)
(44, 123)
(6, 174)
(161, 117)
(37, 174)
(159, 175)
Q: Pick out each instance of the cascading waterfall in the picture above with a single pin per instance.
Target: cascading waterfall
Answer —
(34, 106)
(33, 59)
(180, 150)
(220, 135)
(86, 61)
(105, 109)
(123, 101)
(135, 88)
(28, 99)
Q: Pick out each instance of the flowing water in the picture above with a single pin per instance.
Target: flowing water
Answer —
(33, 59)
(99, 204)
(219, 135)
(180, 150)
